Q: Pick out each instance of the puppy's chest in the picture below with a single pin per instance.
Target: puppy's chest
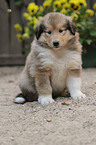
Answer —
(58, 68)
(58, 76)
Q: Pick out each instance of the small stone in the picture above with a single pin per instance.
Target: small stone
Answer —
(64, 104)
(10, 81)
(70, 109)
(48, 120)
(11, 138)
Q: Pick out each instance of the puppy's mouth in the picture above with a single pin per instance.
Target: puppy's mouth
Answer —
(56, 48)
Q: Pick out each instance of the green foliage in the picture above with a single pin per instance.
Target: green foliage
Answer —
(18, 2)
(84, 18)
(87, 28)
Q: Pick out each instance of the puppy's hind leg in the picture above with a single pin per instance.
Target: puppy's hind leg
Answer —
(74, 84)
(20, 99)
(28, 90)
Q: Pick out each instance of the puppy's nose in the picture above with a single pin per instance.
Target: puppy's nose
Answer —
(56, 43)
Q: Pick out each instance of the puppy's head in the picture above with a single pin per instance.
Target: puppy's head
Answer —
(54, 30)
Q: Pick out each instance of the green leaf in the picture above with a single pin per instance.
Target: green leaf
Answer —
(93, 33)
(89, 41)
(81, 40)
(18, 2)
(83, 27)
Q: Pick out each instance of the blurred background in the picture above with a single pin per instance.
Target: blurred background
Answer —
(11, 12)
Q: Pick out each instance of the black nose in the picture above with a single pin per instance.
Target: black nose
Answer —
(56, 43)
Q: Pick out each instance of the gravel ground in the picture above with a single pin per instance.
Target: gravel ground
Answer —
(65, 122)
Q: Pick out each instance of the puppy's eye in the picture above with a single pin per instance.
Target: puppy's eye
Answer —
(60, 31)
(49, 32)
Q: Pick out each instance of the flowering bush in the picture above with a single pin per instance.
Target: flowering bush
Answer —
(84, 18)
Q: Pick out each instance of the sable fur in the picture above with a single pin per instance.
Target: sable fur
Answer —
(48, 69)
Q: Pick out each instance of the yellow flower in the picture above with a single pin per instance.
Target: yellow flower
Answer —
(89, 13)
(56, 4)
(35, 23)
(41, 9)
(34, 26)
(66, 6)
(77, 12)
(31, 22)
(35, 20)
(63, 2)
(48, 1)
(74, 16)
(32, 8)
(18, 27)
(25, 36)
(27, 16)
(83, 3)
(94, 6)
(46, 4)
(26, 29)
(78, 25)
(19, 36)
(74, 4)
(63, 11)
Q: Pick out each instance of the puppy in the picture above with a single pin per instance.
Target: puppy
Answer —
(54, 62)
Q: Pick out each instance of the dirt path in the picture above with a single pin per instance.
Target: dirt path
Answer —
(73, 123)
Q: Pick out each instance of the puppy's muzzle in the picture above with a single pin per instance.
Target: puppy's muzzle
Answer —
(56, 44)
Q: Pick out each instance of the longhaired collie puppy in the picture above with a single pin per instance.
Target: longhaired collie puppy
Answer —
(54, 62)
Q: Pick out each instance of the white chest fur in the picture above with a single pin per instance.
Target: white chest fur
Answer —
(59, 62)
(58, 76)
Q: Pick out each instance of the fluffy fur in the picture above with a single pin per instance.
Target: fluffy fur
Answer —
(54, 62)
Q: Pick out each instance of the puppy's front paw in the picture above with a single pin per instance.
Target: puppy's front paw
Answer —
(78, 95)
(45, 100)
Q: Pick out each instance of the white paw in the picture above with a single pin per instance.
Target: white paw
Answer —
(78, 95)
(45, 100)
(19, 100)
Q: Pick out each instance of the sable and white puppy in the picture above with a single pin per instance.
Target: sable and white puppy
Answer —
(54, 62)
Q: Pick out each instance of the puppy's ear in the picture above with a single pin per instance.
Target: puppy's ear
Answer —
(71, 27)
(39, 30)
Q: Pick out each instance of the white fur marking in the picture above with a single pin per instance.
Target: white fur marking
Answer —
(19, 100)
(45, 99)
(74, 86)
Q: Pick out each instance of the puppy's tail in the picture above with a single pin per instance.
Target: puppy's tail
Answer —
(20, 99)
